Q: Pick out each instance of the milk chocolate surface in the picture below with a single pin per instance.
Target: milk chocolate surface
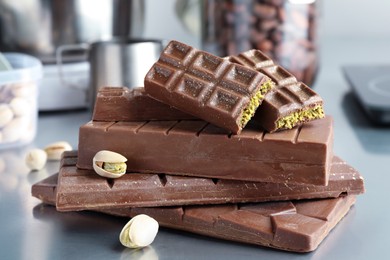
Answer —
(124, 104)
(298, 226)
(289, 98)
(85, 190)
(206, 86)
(195, 148)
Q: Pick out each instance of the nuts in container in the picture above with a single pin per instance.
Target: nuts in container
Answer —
(286, 30)
(18, 99)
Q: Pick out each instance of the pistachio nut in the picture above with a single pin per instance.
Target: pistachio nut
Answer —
(25, 89)
(20, 106)
(139, 232)
(54, 150)
(36, 159)
(2, 165)
(109, 164)
(16, 129)
(6, 115)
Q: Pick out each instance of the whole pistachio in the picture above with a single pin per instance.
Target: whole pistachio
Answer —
(2, 165)
(6, 115)
(25, 89)
(109, 164)
(54, 150)
(36, 159)
(16, 129)
(139, 232)
(20, 106)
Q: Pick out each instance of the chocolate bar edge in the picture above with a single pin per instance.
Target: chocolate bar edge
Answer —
(48, 198)
(70, 200)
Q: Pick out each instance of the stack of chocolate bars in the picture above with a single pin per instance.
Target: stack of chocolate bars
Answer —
(233, 148)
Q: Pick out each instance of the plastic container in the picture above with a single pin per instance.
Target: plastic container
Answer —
(18, 100)
(286, 30)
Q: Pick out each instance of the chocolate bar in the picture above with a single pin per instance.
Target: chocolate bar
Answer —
(289, 103)
(298, 226)
(206, 86)
(85, 190)
(124, 104)
(195, 148)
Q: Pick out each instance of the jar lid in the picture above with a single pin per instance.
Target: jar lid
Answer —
(25, 68)
(301, 1)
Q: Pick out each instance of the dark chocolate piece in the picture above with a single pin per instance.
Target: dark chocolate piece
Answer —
(85, 190)
(195, 148)
(298, 226)
(289, 103)
(124, 104)
(206, 86)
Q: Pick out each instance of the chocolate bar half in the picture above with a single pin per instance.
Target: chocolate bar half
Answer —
(289, 103)
(195, 148)
(298, 226)
(206, 86)
(85, 190)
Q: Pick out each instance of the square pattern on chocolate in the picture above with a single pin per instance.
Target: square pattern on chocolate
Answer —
(206, 73)
(287, 97)
(211, 152)
(204, 85)
(298, 226)
(84, 189)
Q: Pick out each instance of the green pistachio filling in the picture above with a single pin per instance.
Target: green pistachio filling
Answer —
(295, 118)
(255, 101)
(119, 167)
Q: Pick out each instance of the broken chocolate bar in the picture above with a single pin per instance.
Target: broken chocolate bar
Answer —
(206, 86)
(289, 103)
(85, 190)
(195, 148)
(124, 104)
(298, 226)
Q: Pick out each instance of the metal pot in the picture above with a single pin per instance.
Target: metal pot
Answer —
(39, 27)
(121, 62)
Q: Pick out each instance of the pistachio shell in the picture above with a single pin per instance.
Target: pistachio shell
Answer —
(6, 115)
(139, 232)
(2, 165)
(16, 129)
(36, 159)
(54, 150)
(111, 159)
(20, 106)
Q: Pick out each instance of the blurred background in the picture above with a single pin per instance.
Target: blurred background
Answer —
(57, 54)
(346, 19)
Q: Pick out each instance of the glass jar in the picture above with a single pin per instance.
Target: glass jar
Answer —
(286, 30)
(18, 100)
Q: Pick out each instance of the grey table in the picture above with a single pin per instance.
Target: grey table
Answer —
(29, 230)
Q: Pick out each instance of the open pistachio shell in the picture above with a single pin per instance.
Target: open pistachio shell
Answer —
(109, 164)
(139, 232)
(54, 150)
